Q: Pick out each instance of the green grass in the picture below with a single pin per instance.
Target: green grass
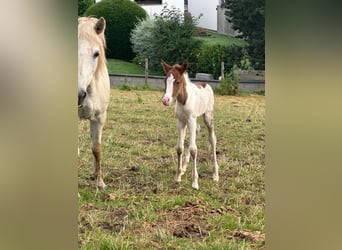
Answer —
(214, 38)
(142, 207)
(116, 66)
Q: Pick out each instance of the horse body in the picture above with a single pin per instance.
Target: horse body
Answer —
(192, 100)
(93, 83)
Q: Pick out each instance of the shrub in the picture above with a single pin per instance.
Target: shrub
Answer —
(83, 5)
(210, 57)
(121, 17)
(142, 42)
(229, 85)
(169, 36)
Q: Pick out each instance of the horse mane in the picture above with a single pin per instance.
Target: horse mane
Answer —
(86, 30)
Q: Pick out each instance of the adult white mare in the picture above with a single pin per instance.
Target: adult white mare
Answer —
(192, 100)
(93, 83)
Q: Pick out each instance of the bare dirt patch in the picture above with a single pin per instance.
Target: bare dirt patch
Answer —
(191, 220)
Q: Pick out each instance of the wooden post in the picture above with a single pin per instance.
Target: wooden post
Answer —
(146, 70)
(222, 70)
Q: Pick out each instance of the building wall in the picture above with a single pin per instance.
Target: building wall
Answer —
(208, 9)
(152, 9)
(156, 9)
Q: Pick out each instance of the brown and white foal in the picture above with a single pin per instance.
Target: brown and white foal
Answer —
(192, 100)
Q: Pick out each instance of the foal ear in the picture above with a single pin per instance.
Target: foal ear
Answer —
(100, 26)
(166, 67)
(184, 67)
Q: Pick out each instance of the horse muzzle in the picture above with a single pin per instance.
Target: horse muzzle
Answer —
(81, 96)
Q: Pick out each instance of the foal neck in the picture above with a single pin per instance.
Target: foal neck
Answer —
(182, 96)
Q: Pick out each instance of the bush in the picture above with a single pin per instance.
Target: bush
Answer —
(121, 17)
(142, 40)
(83, 5)
(229, 85)
(168, 36)
(210, 57)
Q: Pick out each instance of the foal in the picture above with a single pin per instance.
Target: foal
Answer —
(192, 100)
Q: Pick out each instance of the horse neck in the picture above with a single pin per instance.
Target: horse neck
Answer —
(182, 96)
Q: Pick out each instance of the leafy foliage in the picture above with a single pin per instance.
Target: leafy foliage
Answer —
(83, 5)
(121, 17)
(210, 57)
(168, 36)
(142, 40)
(228, 85)
(248, 16)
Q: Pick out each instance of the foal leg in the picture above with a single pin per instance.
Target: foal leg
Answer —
(96, 127)
(192, 123)
(180, 148)
(209, 122)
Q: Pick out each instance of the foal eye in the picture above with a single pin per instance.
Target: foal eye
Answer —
(177, 82)
(96, 54)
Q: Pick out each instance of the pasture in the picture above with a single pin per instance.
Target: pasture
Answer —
(143, 208)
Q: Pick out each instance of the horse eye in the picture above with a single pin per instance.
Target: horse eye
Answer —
(96, 54)
(177, 82)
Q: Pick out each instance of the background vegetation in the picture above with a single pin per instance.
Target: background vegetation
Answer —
(248, 17)
(83, 5)
(143, 208)
(169, 36)
(121, 17)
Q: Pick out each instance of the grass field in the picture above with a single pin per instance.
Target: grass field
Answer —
(142, 207)
(214, 38)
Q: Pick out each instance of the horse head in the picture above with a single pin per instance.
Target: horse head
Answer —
(174, 83)
(91, 53)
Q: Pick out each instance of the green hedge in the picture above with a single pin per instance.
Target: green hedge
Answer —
(121, 17)
(210, 57)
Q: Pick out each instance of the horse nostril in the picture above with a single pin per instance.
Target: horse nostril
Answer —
(81, 96)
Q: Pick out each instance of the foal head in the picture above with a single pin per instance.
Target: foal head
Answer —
(91, 53)
(174, 83)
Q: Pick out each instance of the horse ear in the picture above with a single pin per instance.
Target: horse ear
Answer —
(100, 26)
(184, 66)
(166, 67)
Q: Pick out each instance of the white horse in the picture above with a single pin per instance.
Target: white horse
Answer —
(93, 83)
(192, 100)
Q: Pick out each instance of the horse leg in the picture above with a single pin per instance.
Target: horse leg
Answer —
(96, 127)
(209, 122)
(192, 123)
(180, 147)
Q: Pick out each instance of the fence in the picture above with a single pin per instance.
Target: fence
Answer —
(245, 85)
(249, 80)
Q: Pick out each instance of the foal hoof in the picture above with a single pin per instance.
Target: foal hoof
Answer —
(101, 185)
(195, 186)
(215, 177)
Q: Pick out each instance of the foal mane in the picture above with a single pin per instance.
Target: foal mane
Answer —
(86, 30)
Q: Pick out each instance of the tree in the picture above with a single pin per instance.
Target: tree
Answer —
(83, 5)
(168, 36)
(248, 17)
(121, 17)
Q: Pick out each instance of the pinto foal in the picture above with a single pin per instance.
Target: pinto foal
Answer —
(192, 100)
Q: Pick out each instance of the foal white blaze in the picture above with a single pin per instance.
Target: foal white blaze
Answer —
(192, 100)
(93, 83)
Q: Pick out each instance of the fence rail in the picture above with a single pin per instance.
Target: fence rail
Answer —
(245, 85)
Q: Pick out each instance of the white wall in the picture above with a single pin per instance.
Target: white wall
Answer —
(208, 9)
(157, 8)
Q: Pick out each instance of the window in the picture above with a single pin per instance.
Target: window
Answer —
(148, 1)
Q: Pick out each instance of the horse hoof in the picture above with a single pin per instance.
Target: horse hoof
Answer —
(101, 185)
(215, 178)
(195, 186)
